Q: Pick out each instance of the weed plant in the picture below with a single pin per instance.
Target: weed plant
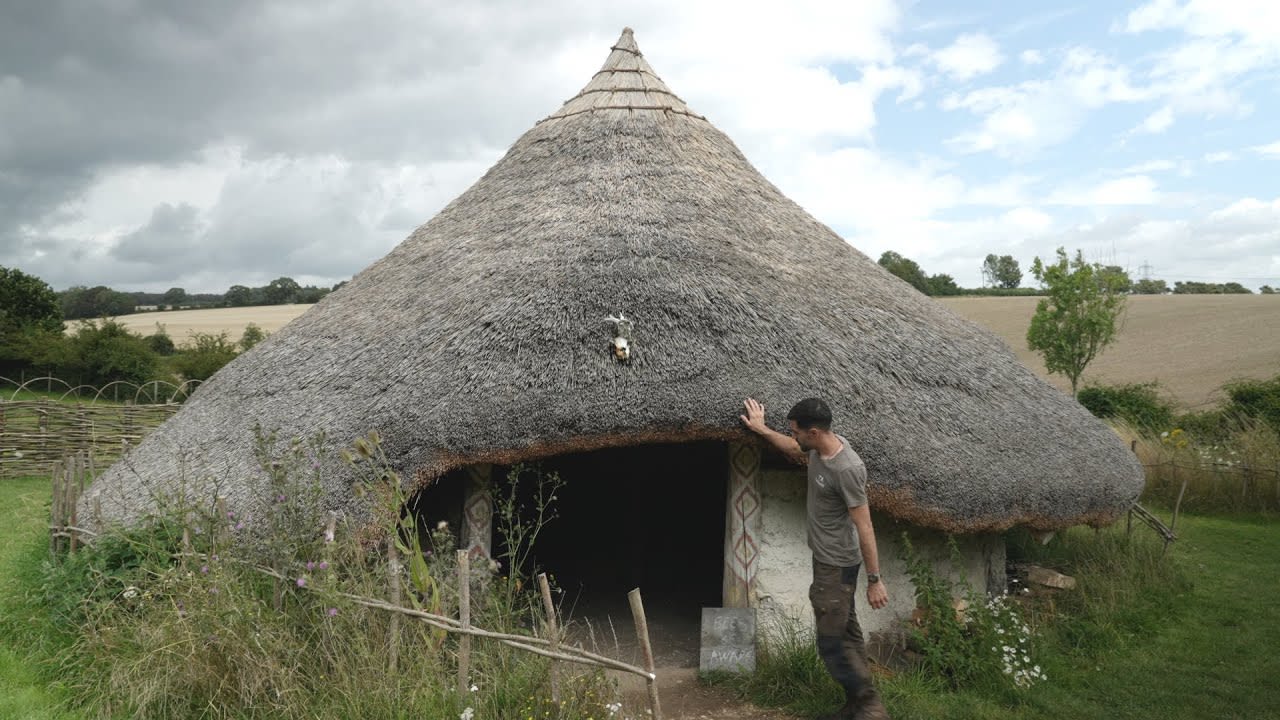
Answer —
(1239, 473)
(205, 613)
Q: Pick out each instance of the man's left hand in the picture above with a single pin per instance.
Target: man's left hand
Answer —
(877, 595)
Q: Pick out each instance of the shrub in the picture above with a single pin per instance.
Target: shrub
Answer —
(160, 342)
(1138, 404)
(106, 351)
(252, 336)
(1258, 399)
(206, 355)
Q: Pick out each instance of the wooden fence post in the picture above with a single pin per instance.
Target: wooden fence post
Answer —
(553, 634)
(1173, 524)
(464, 616)
(646, 651)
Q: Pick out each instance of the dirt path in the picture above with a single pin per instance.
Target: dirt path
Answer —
(684, 698)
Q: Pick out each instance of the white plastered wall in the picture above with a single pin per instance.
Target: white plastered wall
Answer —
(785, 571)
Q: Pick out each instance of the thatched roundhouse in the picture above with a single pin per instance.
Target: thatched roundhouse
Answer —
(482, 340)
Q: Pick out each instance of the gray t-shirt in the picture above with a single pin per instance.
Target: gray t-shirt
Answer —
(835, 485)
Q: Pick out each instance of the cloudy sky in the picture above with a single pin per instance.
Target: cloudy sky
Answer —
(150, 144)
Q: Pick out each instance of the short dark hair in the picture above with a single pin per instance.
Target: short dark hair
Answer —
(811, 413)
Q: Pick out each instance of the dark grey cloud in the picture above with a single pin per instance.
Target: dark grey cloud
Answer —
(172, 234)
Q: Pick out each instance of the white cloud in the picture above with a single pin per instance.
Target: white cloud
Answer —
(1271, 149)
(1219, 157)
(1158, 121)
(1031, 57)
(1019, 120)
(1130, 190)
(971, 55)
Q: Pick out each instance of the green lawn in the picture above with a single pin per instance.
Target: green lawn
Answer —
(24, 507)
(1208, 651)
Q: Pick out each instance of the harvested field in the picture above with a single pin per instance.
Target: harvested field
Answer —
(1191, 344)
(181, 323)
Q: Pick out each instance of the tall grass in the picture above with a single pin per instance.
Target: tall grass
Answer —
(1234, 469)
(160, 630)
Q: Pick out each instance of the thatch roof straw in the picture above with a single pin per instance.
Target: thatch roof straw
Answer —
(482, 337)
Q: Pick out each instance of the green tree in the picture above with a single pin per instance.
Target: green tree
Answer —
(173, 297)
(80, 302)
(205, 355)
(26, 301)
(1119, 279)
(30, 322)
(280, 291)
(252, 336)
(942, 284)
(1077, 318)
(106, 351)
(1267, 290)
(905, 269)
(239, 296)
(1001, 271)
(1150, 287)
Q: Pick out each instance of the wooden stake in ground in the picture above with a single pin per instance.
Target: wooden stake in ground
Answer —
(464, 616)
(642, 634)
(553, 634)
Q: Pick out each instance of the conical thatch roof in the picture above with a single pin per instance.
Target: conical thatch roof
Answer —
(482, 337)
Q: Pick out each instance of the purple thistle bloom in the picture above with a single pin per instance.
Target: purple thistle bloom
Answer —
(311, 565)
(204, 569)
(231, 515)
(302, 582)
(323, 565)
(240, 525)
(280, 497)
(333, 612)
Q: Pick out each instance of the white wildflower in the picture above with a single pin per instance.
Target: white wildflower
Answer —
(130, 593)
(467, 714)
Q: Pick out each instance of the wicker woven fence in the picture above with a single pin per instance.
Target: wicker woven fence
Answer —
(44, 419)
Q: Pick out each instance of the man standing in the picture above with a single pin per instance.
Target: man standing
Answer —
(841, 538)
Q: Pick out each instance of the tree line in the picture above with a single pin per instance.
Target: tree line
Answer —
(1002, 275)
(81, 302)
(34, 339)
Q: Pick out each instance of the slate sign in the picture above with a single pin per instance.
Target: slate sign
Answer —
(728, 640)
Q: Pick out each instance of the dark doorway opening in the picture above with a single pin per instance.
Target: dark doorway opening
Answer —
(650, 517)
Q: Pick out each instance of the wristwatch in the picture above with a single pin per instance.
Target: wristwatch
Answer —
(873, 578)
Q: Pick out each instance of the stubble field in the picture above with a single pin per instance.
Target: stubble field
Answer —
(1190, 344)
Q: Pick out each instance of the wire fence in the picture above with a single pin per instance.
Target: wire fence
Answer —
(44, 419)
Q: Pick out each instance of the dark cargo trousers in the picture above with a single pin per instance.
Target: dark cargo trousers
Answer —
(839, 636)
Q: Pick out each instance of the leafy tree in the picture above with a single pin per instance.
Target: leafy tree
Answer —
(26, 301)
(1120, 279)
(106, 351)
(905, 269)
(1204, 288)
(239, 296)
(943, 284)
(1077, 319)
(205, 356)
(1150, 287)
(80, 302)
(1267, 290)
(252, 336)
(280, 291)
(173, 297)
(30, 321)
(1002, 271)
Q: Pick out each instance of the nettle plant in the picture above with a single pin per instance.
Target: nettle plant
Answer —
(977, 640)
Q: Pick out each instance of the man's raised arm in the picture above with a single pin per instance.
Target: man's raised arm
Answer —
(787, 445)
